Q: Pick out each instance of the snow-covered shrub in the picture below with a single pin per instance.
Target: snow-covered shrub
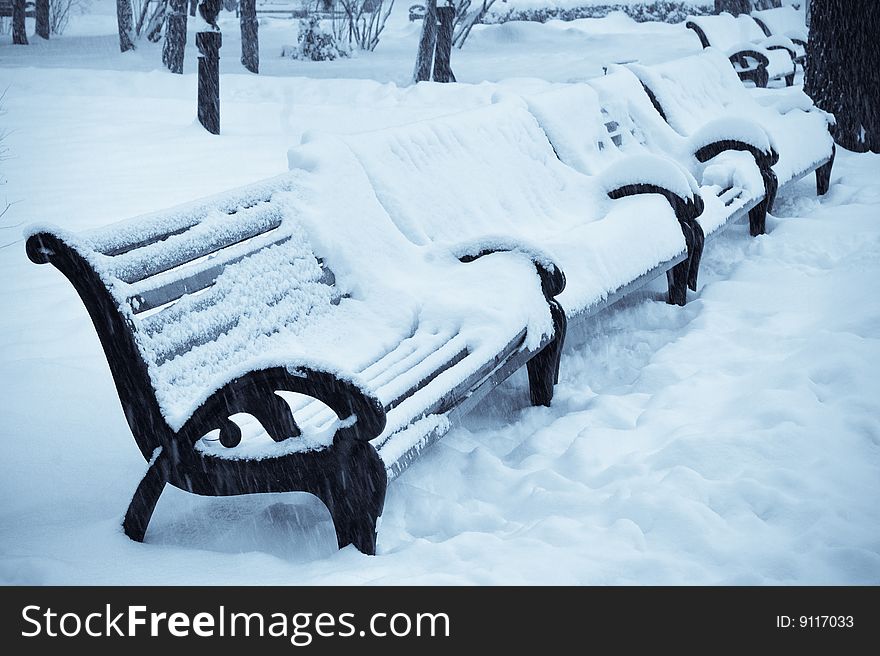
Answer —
(361, 21)
(315, 43)
(667, 11)
(61, 10)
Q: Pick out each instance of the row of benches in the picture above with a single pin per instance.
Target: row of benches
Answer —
(762, 46)
(319, 330)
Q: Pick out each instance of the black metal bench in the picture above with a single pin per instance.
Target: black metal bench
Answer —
(753, 55)
(165, 296)
(786, 22)
(790, 130)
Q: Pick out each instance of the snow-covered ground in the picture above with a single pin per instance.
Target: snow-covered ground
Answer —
(735, 440)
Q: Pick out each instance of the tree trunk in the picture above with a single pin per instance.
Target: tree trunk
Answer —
(443, 52)
(250, 39)
(735, 7)
(175, 36)
(41, 16)
(425, 56)
(125, 22)
(19, 33)
(843, 69)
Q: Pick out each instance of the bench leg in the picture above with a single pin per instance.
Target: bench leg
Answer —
(543, 369)
(684, 274)
(676, 280)
(355, 497)
(789, 80)
(823, 174)
(758, 214)
(144, 501)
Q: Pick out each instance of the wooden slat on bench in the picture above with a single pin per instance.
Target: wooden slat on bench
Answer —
(169, 286)
(433, 355)
(466, 395)
(207, 335)
(197, 242)
(161, 227)
(729, 195)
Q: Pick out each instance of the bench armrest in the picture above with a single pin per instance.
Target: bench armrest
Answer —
(551, 276)
(685, 202)
(733, 134)
(254, 393)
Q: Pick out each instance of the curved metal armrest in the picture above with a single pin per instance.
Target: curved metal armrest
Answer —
(551, 276)
(686, 209)
(757, 55)
(790, 50)
(254, 393)
(704, 40)
(764, 159)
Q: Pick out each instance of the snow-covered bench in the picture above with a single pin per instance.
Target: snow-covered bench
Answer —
(285, 337)
(787, 22)
(611, 118)
(694, 91)
(491, 175)
(754, 55)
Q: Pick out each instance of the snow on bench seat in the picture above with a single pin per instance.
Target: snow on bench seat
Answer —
(693, 91)
(490, 174)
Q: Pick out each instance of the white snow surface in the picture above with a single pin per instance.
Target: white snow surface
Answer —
(735, 440)
(698, 89)
(492, 171)
(577, 117)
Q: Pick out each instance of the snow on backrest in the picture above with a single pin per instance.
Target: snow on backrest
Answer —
(726, 32)
(488, 171)
(782, 20)
(267, 284)
(577, 128)
(694, 90)
(749, 30)
(720, 30)
(624, 100)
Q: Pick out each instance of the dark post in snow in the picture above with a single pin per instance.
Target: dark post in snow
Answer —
(41, 17)
(208, 42)
(735, 7)
(125, 23)
(843, 69)
(19, 32)
(425, 56)
(442, 69)
(175, 36)
(250, 40)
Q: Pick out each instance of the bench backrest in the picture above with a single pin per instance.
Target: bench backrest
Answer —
(200, 287)
(485, 172)
(725, 31)
(783, 21)
(491, 175)
(694, 90)
(582, 135)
